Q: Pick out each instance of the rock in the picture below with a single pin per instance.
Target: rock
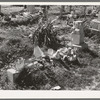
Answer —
(56, 88)
(38, 52)
(19, 64)
(78, 33)
(12, 75)
(31, 64)
(50, 52)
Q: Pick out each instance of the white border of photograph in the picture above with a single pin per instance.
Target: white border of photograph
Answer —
(30, 94)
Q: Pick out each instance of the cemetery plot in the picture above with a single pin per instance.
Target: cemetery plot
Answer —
(49, 47)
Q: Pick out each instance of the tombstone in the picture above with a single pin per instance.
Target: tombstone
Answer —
(12, 74)
(76, 37)
(19, 64)
(38, 52)
(78, 33)
(31, 8)
(95, 23)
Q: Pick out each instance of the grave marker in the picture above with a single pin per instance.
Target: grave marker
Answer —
(78, 33)
(95, 23)
(12, 75)
(19, 64)
(38, 52)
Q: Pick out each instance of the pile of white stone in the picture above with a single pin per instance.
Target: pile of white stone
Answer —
(62, 53)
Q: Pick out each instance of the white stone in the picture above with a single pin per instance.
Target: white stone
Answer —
(78, 33)
(76, 24)
(19, 64)
(35, 62)
(30, 36)
(56, 88)
(31, 64)
(12, 75)
(50, 52)
(26, 14)
(76, 37)
(38, 52)
(56, 55)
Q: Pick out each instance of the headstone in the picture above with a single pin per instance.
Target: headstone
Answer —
(12, 75)
(31, 8)
(76, 37)
(78, 33)
(38, 52)
(77, 24)
(95, 23)
(19, 64)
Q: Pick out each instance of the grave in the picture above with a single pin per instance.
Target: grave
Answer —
(95, 23)
(78, 35)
